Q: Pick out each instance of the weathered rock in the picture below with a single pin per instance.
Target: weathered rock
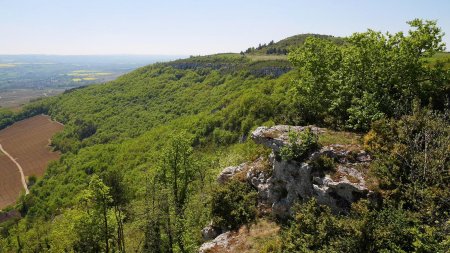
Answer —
(210, 232)
(280, 184)
(292, 181)
(278, 136)
(221, 241)
(229, 172)
(339, 193)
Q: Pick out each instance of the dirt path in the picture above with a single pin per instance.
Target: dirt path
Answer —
(22, 176)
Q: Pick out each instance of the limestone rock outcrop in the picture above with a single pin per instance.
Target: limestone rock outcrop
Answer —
(292, 181)
(220, 241)
(229, 172)
(281, 183)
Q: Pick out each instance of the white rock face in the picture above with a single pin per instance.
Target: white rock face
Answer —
(292, 181)
(229, 172)
(277, 136)
(221, 241)
(288, 182)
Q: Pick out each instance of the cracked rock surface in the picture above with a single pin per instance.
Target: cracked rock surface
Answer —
(292, 181)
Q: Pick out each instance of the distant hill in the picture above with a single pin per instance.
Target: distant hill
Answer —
(282, 47)
(132, 146)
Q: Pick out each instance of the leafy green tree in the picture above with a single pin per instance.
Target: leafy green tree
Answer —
(170, 190)
(371, 76)
(315, 229)
(412, 161)
(95, 229)
(233, 205)
(300, 145)
(120, 195)
(6, 118)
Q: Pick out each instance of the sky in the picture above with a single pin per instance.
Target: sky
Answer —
(176, 27)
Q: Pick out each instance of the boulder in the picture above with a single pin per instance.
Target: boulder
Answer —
(220, 241)
(229, 172)
(278, 136)
(295, 181)
(210, 232)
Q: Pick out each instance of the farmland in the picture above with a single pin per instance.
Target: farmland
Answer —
(10, 185)
(26, 77)
(27, 142)
(13, 99)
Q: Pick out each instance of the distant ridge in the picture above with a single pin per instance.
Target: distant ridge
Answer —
(283, 46)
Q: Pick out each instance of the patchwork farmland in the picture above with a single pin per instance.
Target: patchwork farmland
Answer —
(26, 147)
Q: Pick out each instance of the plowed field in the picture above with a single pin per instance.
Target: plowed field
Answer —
(27, 142)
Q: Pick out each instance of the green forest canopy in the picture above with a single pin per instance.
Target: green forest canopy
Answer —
(140, 154)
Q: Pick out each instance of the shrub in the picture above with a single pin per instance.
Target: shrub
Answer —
(233, 205)
(412, 161)
(31, 180)
(300, 145)
(315, 229)
(322, 164)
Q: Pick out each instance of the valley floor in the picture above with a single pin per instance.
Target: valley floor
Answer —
(25, 152)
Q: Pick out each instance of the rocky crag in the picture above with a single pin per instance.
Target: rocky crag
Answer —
(281, 183)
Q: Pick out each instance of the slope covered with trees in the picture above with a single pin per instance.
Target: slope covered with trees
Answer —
(141, 153)
(283, 46)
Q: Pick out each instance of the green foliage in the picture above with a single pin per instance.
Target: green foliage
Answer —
(94, 229)
(389, 229)
(6, 118)
(142, 152)
(31, 180)
(284, 46)
(300, 145)
(316, 229)
(172, 200)
(233, 205)
(413, 161)
(373, 75)
(322, 164)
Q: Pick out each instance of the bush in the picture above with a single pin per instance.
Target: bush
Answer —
(233, 205)
(300, 145)
(322, 164)
(315, 229)
(389, 229)
(31, 180)
(412, 161)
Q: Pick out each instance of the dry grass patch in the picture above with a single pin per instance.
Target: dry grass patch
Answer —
(251, 239)
(345, 138)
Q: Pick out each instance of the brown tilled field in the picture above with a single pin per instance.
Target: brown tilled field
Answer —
(27, 142)
(10, 184)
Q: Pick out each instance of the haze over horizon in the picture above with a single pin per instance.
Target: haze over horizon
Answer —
(201, 27)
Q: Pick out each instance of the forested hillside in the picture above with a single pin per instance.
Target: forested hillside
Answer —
(141, 154)
(282, 47)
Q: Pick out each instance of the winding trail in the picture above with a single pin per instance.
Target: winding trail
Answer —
(22, 176)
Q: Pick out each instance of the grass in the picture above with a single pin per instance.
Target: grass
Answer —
(442, 57)
(255, 57)
(89, 78)
(345, 138)
(87, 73)
(253, 239)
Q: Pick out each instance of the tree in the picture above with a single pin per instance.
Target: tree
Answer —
(412, 161)
(152, 230)
(371, 76)
(233, 205)
(119, 193)
(95, 225)
(170, 189)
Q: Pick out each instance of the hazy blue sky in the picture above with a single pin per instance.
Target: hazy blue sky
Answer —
(194, 27)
